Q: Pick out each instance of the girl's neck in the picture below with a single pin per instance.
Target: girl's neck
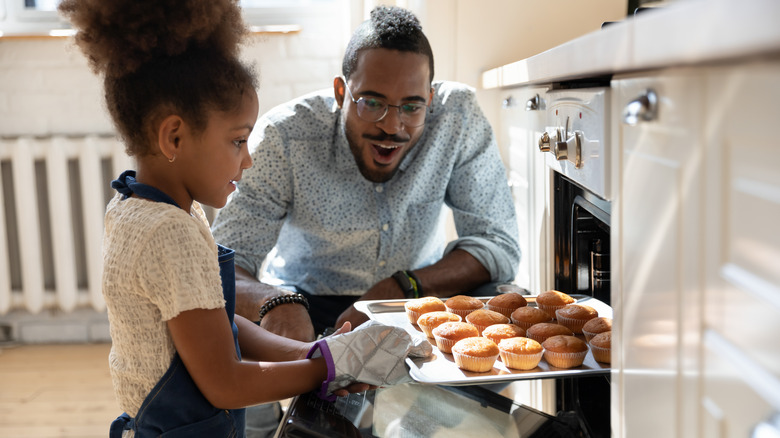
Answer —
(164, 179)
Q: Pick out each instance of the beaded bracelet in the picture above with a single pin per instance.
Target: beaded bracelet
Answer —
(281, 299)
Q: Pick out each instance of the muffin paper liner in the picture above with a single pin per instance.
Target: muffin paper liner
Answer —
(565, 360)
(474, 363)
(521, 361)
(601, 354)
(574, 325)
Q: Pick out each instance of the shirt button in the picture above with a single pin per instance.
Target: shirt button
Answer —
(382, 263)
(379, 189)
(385, 227)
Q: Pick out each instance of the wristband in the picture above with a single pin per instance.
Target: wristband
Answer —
(321, 347)
(281, 299)
(418, 291)
(409, 283)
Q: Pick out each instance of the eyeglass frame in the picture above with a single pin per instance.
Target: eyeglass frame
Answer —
(401, 114)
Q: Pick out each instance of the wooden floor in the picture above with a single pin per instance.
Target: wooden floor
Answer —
(53, 391)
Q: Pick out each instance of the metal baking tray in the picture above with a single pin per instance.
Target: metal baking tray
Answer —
(440, 368)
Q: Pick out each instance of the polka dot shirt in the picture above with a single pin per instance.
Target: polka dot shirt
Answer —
(329, 231)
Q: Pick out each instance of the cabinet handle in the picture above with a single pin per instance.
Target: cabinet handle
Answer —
(508, 102)
(767, 429)
(535, 103)
(642, 109)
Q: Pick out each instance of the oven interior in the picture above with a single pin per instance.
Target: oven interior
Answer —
(581, 243)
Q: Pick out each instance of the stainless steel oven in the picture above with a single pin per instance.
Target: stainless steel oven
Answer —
(576, 146)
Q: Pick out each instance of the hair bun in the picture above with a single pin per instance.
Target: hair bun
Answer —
(118, 36)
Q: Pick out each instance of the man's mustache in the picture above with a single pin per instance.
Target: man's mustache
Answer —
(386, 137)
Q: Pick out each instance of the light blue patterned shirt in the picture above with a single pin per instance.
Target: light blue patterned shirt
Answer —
(336, 233)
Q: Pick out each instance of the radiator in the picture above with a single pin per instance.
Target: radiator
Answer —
(52, 202)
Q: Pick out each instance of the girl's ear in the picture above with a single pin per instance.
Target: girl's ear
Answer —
(169, 136)
(338, 90)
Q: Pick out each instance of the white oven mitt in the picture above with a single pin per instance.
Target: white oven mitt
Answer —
(373, 353)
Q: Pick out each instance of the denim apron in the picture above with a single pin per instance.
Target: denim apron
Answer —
(175, 407)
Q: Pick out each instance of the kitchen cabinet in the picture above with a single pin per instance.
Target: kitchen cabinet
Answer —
(697, 253)
(657, 239)
(521, 125)
(740, 310)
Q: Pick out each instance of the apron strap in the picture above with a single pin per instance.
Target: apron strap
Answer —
(127, 186)
(121, 424)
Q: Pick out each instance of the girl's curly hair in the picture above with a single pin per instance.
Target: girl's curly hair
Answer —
(162, 57)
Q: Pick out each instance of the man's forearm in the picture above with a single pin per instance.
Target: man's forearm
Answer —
(455, 273)
(251, 294)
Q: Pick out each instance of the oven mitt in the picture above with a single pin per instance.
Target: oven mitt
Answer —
(373, 353)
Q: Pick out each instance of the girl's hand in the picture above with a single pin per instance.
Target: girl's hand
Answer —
(354, 387)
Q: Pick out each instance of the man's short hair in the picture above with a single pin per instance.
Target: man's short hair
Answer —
(388, 28)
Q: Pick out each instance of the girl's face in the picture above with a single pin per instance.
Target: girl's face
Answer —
(218, 157)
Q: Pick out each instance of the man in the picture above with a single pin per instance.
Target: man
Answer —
(348, 187)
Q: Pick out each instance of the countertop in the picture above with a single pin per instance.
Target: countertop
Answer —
(686, 32)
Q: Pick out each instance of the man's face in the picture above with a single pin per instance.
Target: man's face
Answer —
(395, 78)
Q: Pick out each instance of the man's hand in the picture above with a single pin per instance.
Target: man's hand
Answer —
(289, 320)
(386, 289)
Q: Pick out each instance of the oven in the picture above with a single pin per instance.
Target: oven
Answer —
(576, 149)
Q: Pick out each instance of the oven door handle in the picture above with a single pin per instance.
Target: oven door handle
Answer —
(642, 109)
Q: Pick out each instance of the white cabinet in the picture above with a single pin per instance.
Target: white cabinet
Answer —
(656, 237)
(696, 249)
(522, 123)
(741, 307)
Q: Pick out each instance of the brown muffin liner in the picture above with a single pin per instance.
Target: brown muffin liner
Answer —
(462, 312)
(521, 361)
(550, 309)
(589, 335)
(565, 360)
(536, 338)
(601, 354)
(526, 325)
(474, 363)
(574, 325)
(506, 311)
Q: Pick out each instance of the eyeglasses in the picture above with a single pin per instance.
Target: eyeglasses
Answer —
(374, 109)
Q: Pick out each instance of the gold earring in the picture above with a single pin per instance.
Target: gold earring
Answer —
(172, 159)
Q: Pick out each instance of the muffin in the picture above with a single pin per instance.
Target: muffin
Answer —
(475, 354)
(520, 353)
(525, 317)
(418, 306)
(448, 333)
(463, 305)
(429, 321)
(552, 300)
(540, 332)
(574, 316)
(507, 303)
(595, 326)
(497, 332)
(564, 351)
(484, 318)
(601, 346)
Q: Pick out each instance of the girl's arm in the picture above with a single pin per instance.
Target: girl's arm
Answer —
(204, 341)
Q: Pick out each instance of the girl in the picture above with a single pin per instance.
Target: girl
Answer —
(184, 105)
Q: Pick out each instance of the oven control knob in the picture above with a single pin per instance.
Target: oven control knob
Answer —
(544, 142)
(571, 149)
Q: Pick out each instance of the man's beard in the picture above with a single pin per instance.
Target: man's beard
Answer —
(374, 175)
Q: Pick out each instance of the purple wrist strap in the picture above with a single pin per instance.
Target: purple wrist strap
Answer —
(325, 351)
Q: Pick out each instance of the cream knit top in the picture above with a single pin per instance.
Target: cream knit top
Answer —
(158, 261)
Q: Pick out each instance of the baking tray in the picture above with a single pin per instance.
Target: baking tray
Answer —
(440, 368)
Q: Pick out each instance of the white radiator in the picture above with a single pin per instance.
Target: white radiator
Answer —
(52, 202)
